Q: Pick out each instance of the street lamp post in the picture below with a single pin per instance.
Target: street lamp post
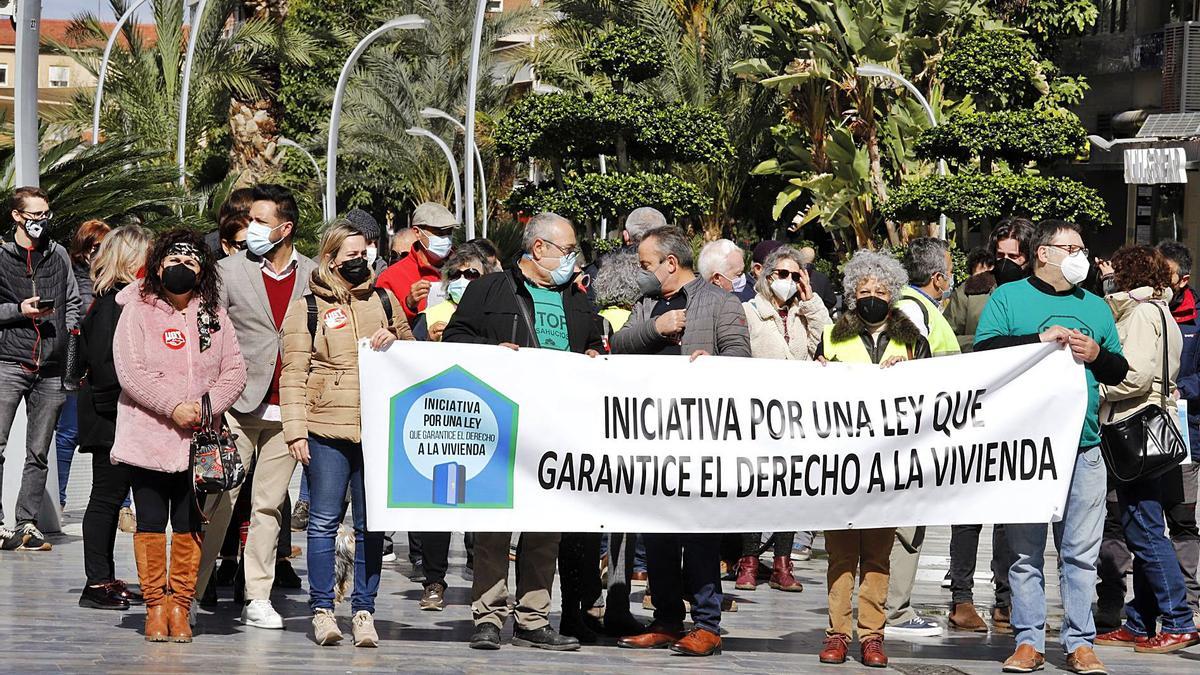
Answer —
(112, 39)
(434, 113)
(472, 90)
(407, 22)
(25, 94)
(874, 70)
(458, 198)
(197, 15)
(289, 143)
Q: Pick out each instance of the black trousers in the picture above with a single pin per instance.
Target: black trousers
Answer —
(164, 497)
(964, 549)
(752, 543)
(579, 570)
(110, 484)
(434, 550)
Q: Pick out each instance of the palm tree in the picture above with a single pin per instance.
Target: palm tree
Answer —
(141, 100)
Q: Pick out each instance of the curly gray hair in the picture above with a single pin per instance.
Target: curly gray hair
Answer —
(616, 283)
(763, 285)
(881, 267)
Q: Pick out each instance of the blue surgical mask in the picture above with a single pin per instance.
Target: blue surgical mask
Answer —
(949, 289)
(456, 288)
(438, 247)
(565, 270)
(258, 238)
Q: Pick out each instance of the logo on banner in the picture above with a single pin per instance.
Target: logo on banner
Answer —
(452, 443)
(174, 338)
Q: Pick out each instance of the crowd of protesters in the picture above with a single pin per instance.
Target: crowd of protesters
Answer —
(169, 329)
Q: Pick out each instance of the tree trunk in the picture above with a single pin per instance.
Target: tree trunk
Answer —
(878, 187)
(622, 153)
(253, 125)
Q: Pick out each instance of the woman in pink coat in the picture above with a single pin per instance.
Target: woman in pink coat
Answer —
(173, 345)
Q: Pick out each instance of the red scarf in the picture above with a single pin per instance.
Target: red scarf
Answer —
(1185, 310)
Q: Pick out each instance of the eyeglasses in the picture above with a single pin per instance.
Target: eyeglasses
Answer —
(470, 273)
(239, 244)
(1070, 249)
(784, 274)
(38, 215)
(1015, 257)
(564, 251)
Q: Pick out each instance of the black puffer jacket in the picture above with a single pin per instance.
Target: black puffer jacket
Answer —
(48, 275)
(101, 388)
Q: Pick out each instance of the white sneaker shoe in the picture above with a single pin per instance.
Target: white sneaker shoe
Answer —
(260, 614)
(325, 628)
(364, 630)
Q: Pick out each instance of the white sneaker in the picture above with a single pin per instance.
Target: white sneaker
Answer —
(260, 614)
(325, 628)
(364, 630)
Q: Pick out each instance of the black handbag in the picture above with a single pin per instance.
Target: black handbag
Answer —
(74, 370)
(216, 465)
(1147, 444)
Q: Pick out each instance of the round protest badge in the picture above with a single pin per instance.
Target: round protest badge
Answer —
(336, 318)
(174, 338)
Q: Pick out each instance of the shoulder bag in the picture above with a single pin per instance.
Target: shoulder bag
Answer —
(216, 465)
(1147, 444)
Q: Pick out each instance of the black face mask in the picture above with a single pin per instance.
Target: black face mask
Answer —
(1006, 270)
(179, 279)
(871, 309)
(355, 271)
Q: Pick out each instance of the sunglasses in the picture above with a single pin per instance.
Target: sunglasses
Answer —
(239, 244)
(784, 274)
(470, 273)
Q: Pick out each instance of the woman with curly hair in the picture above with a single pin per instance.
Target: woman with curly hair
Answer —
(1141, 307)
(173, 346)
(872, 330)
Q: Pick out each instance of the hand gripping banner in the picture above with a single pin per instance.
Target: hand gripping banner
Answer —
(481, 438)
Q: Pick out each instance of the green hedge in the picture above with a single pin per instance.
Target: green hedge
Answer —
(978, 197)
(624, 54)
(1016, 136)
(581, 126)
(995, 67)
(594, 196)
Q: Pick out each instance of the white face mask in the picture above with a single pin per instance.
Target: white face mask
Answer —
(258, 238)
(783, 289)
(372, 255)
(438, 247)
(739, 283)
(1075, 268)
(456, 288)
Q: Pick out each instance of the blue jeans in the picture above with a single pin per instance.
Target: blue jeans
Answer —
(700, 577)
(66, 439)
(1077, 538)
(333, 465)
(303, 484)
(1159, 589)
(639, 554)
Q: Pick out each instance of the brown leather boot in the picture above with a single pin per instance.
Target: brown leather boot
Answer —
(781, 575)
(150, 551)
(965, 617)
(185, 564)
(747, 573)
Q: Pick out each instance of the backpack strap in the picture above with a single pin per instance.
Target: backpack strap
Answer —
(312, 317)
(920, 305)
(386, 302)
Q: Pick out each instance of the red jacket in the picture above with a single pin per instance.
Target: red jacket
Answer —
(401, 275)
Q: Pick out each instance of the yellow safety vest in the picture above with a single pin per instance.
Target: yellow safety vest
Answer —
(855, 351)
(942, 340)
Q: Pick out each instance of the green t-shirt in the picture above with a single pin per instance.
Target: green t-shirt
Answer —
(549, 319)
(1017, 309)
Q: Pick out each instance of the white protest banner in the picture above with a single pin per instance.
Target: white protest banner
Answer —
(482, 438)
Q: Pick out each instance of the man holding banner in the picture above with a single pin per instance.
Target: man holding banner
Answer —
(533, 305)
(680, 314)
(1051, 307)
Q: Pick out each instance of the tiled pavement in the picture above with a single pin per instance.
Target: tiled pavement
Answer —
(42, 628)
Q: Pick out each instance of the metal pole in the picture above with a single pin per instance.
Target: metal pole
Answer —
(472, 90)
(603, 221)
(434, 113)
(407, 22)
(289, 143)
(25, 94)
(458, 198)
(197, 7)
(872, 70)
(112, 39)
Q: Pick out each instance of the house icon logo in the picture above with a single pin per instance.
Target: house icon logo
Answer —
(452, 443)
